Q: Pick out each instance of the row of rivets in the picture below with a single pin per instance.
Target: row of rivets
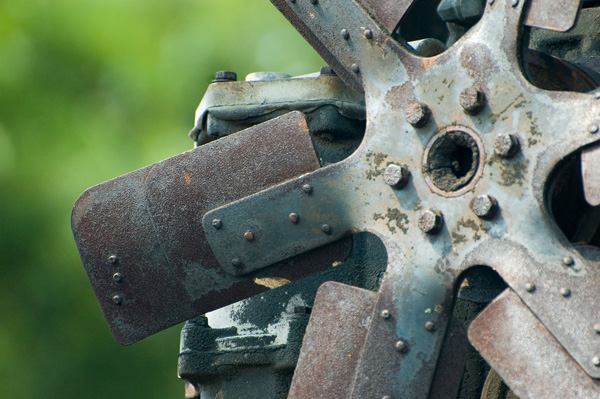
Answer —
(117, 278)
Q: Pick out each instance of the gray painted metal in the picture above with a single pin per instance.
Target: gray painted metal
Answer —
(555, 15)
(529, 359)
(145, 226)
(590, 171)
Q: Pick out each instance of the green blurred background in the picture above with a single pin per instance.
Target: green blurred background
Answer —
(90, 90)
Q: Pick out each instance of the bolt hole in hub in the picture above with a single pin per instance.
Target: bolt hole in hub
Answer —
(453, 161)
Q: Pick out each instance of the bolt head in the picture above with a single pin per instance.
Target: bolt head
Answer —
(355, 68)
(401, 346)
(326, 70)
(117, 277)
(418, 114)
(225, 76)
(368, 34)
(294, 218)
(568, 261)
(236, 262)
(430, 326)
(484, 206)
(472, 99)
(307, 188)
(326, 229)
(396, 175)
(506, 145)
(385, 314)
(431, 221)
(117, 299)
(596, 361)
(249, 236)
(593, 128)
(113, 259)
(345, 34)
(565, 292)
(217, 223)
(597, 328)
(530, 287)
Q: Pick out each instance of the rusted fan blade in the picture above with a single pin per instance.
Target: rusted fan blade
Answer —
(527, 357)
(590, 171)
(140, 235)
(555, 15)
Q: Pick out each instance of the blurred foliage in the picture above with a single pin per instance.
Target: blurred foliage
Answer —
(90, 90)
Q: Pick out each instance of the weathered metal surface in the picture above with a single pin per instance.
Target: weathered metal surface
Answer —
(387, 12)
(146, 226)
(333, 342)
(590, 171)
(555, 15)
(524, 353)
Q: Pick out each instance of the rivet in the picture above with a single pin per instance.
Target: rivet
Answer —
(430, 326)
(117, 277)
(401, 346)
(418, 114)
(307, 188)
(565, 292)
(597, 95)
(113, 259)
(491, 2)
(345, 34)
(568, 261)
(484, 206)
(387, 397)
(368, 34)
(326, 229)
(314, 1)
(217, 223)
(385, 314)
(593, 128)
(355, 68)
(294, 218)
(236, 262)
(514, 3)
(596, 361)
(597, 328)
(431, 221)
(530, 287)
(117, 299)
(249, 236)
(506, 145)
(396, 176)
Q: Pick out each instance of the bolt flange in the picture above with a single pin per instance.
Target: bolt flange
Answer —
(418, 114)
(431, 221)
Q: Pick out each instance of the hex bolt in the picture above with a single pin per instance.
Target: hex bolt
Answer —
(530, 287)
(401, 346)
(249, 236)
(484, 206)
(117, 277)
(368, 34)
(307, 189)
(565, 292)
(431, 221)
(593, 128)
(596, 361)
(472, 99)
(326, 229)
(217, 223)
(418, 114)
(355, 68)
(117, 299)
(113, 259)
(568, 260)
(385, 314)
(225, 76)
(430, 326)
(506, 145)
(294, 218)
(236, 262)
(345, 34)
(396, 176)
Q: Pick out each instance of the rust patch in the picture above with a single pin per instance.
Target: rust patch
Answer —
(272, 282)
(533, 130)
(400, 97)
(394, 216)
(513, 173)
(479, 62)
(459, 235)
(377, 160)
(188, 180)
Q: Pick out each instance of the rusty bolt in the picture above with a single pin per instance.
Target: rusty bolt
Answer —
(530, 287)
(113, 259)
(565, 292)
(236, 262)
(217, 223)
(117, 277)
(225, 76)
(431, 221)
(597, 328)
(368, 34)
(294, 218)
(418, 114)
(568, 260)
(326, 229)
(355, 68)
(307, 188)
(472, 99)
(345, 34)
(249, 236)
(596, 361)
(506, 145)
(484, 206)
(386, 314)
(401, 346)
(396, 175)
(117, 299)
(430, 326)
